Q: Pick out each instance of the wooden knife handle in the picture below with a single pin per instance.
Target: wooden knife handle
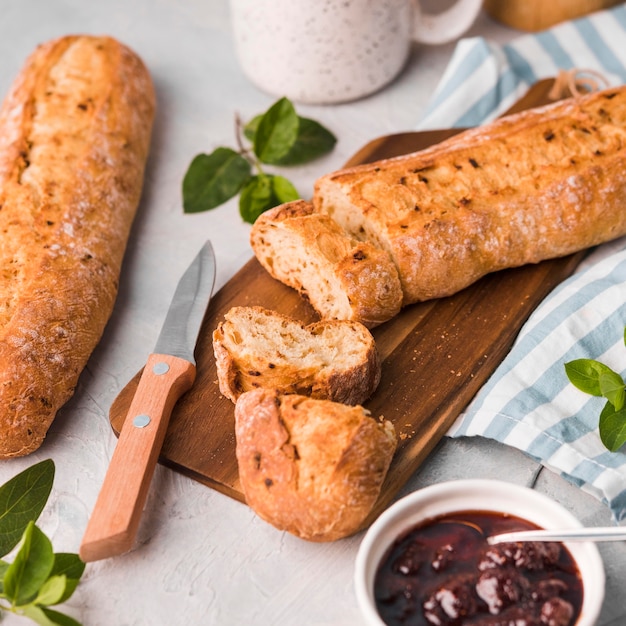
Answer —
(114, 521)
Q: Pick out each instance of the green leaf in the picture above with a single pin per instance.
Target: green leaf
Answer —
(22, 499)
(52, 591)
(262, 193)
(585, 375)
(37, 614)
(31, 567)
(612, 388)
(47, 617)
(68, 565)
(612, 427)
(249, 130)
(212, 179)
(276, 132)
(59, 619)
(312, 142)
(284, 191)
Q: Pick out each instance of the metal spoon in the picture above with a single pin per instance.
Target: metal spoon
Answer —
(609, 533)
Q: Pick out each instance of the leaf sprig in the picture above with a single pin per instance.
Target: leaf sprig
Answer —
(278, 137)
(38, 578)
(597, 379)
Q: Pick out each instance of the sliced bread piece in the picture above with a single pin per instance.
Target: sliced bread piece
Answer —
(341, 277)
(311, 467)
(332, 359)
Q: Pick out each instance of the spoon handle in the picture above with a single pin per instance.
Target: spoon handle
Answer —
(609, 533)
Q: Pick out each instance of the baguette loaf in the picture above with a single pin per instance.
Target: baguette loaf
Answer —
(536, 185)
(74, 137)
(332, 359)
(311, 467)
(341, 277)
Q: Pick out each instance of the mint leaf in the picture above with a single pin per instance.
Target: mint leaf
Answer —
(276, 132)
(22, 499)
(213, 179)
(585, 375)
(612, 388)
(612, 427)
(262, 193)
(31, 567)
(68, 565)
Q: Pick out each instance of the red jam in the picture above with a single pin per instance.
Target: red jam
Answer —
(443, 573)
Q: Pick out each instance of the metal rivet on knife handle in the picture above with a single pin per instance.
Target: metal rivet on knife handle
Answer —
(141, 420)
(161, 368)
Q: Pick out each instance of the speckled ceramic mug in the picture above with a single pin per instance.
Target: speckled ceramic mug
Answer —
(329, 51)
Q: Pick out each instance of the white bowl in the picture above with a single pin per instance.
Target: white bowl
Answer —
(474, 495)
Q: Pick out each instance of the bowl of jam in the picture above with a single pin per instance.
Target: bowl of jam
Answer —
(426, 561)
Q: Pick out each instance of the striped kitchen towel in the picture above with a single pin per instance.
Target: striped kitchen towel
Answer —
(529, 403)
(483, 79)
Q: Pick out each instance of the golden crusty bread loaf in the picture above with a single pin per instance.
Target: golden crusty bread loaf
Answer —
(332, 359)
(535, 185)
(74, 137)
(311, 467)
(341, 277)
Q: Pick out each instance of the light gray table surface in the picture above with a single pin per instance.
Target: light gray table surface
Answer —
(201, 557)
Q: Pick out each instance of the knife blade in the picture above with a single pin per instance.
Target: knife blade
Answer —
(169, 372)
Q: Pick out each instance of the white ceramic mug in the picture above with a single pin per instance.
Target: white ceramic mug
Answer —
(329, 51)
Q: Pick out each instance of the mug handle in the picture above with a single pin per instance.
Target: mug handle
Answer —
(443, 27)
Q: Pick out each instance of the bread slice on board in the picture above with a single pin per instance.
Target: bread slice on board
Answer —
(332, 359)
(341, 277)
(535, 185)
(74, 136)
(311, 467)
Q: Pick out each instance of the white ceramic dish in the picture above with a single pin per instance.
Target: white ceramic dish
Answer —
(474, 495)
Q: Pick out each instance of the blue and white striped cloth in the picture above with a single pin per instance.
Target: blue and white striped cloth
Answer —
(529, 403)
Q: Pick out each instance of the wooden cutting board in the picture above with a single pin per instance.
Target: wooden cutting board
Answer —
(436, 355)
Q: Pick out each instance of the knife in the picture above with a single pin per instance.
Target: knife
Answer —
(169, 372)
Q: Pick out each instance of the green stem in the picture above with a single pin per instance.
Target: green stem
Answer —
(245, 152)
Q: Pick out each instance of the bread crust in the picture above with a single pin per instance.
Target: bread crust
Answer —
(311, 467)
(535, 185)
(74, 138)
(331, 359)
(341, 277)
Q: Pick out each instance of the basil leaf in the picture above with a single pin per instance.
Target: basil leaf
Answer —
(262, 193)
(612, 388)
(612, 427)
(68, 565)
(52, 591)
(312, 142)
(22, 499)
(31, 567)
(585, 375)
(213, 179)
(276, 132)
